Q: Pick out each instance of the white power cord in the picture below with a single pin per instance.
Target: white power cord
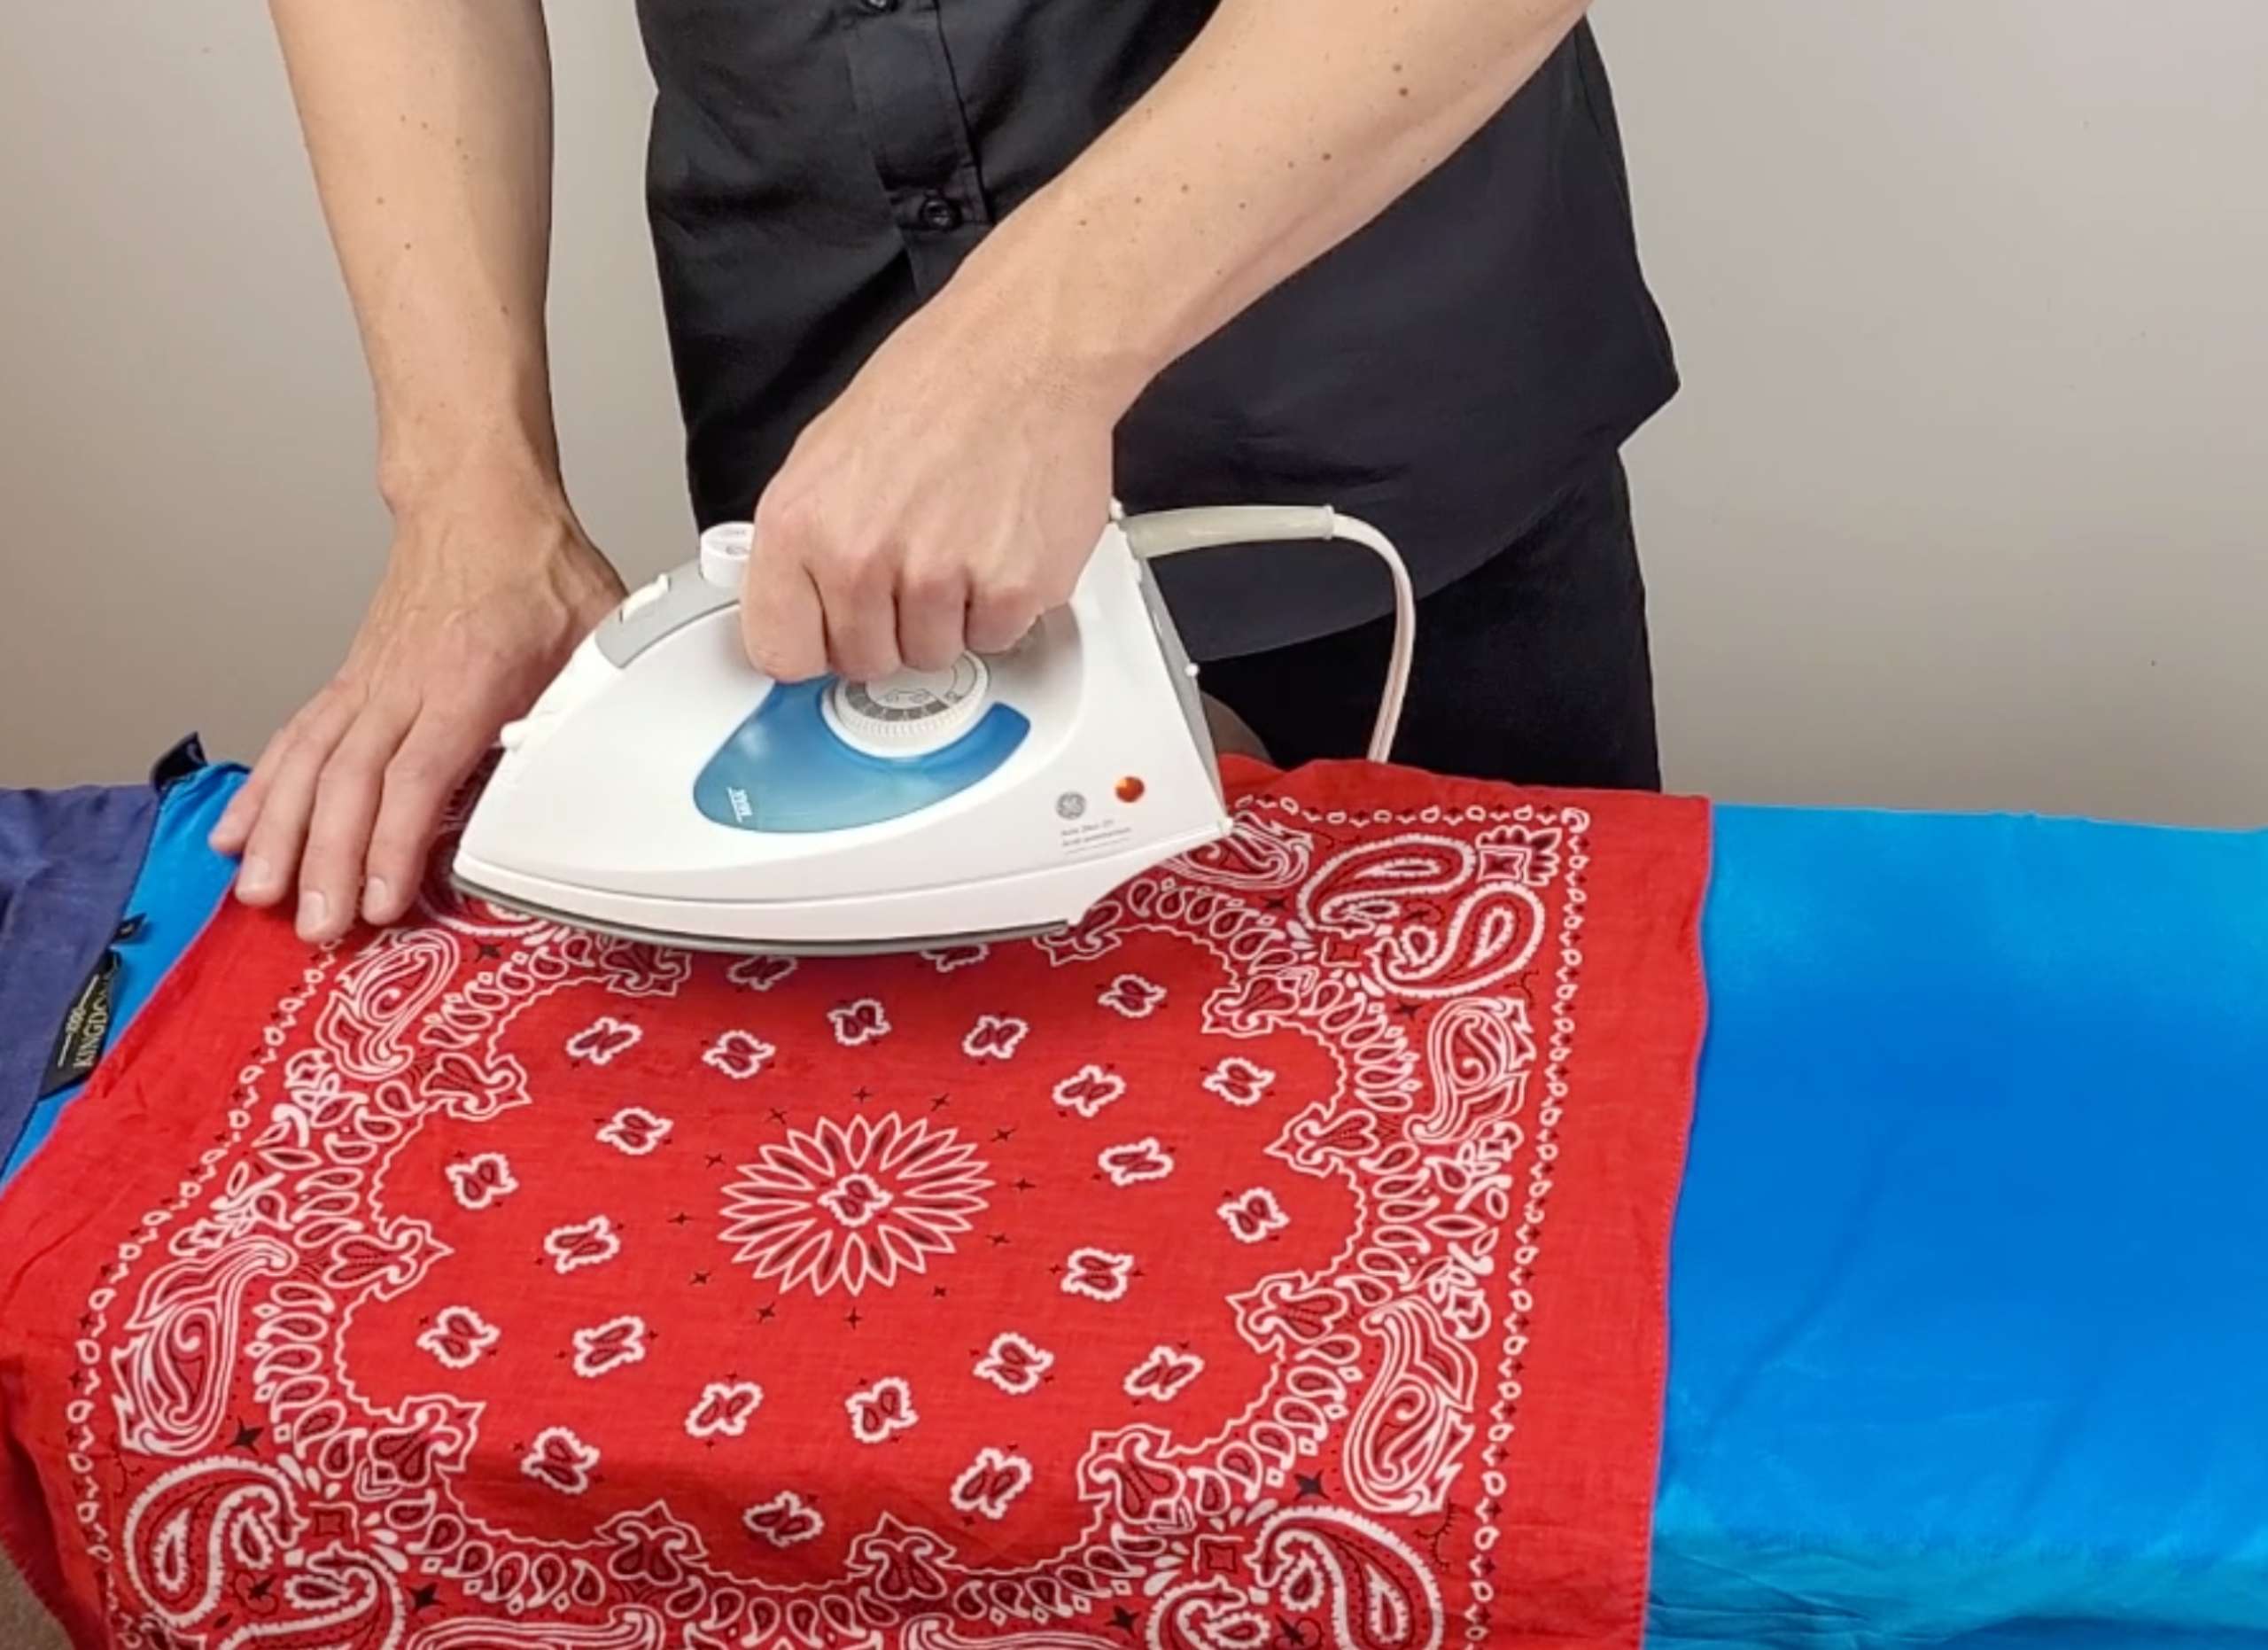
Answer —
(1171, 532)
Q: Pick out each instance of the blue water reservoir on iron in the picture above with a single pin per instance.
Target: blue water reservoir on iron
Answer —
(786, 770)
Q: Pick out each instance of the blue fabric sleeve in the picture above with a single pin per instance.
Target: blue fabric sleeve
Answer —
(180, 880)
(1970, 1280)
(68, 858)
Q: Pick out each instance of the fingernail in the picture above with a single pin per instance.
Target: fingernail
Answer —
(313, 908)
(374, 893)
(253, 877)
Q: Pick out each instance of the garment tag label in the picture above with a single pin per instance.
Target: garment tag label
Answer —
(177, 764)
(85, 1029)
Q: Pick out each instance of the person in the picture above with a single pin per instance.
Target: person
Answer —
(940, 278)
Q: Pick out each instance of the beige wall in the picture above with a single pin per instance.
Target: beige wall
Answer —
(190, 527)
(1965, 503)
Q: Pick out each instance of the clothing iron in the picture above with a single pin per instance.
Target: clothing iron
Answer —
(661, 789)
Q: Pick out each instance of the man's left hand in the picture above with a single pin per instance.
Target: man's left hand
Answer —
(949, 497)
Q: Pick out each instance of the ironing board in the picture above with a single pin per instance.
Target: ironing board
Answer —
(1969, 1326)
(1969, 1288)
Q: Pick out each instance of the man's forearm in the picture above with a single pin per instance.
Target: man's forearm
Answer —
(428, 122)
(1282, 130)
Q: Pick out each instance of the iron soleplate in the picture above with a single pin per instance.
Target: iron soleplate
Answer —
(719, 944)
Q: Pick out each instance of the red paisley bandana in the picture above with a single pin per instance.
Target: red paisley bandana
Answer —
(1276, 1262)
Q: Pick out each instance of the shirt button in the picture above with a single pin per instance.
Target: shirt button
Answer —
(878, 6)
(938, 213)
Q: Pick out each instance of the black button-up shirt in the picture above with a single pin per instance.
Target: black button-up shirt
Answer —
(818, 168)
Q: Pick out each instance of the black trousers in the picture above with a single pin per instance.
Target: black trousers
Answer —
(1531, 668)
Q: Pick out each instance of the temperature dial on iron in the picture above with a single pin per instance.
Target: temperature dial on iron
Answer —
(911, 713)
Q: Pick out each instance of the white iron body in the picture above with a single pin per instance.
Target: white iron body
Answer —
(591, 815)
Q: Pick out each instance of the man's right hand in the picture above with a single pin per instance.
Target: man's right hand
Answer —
(483, 600)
